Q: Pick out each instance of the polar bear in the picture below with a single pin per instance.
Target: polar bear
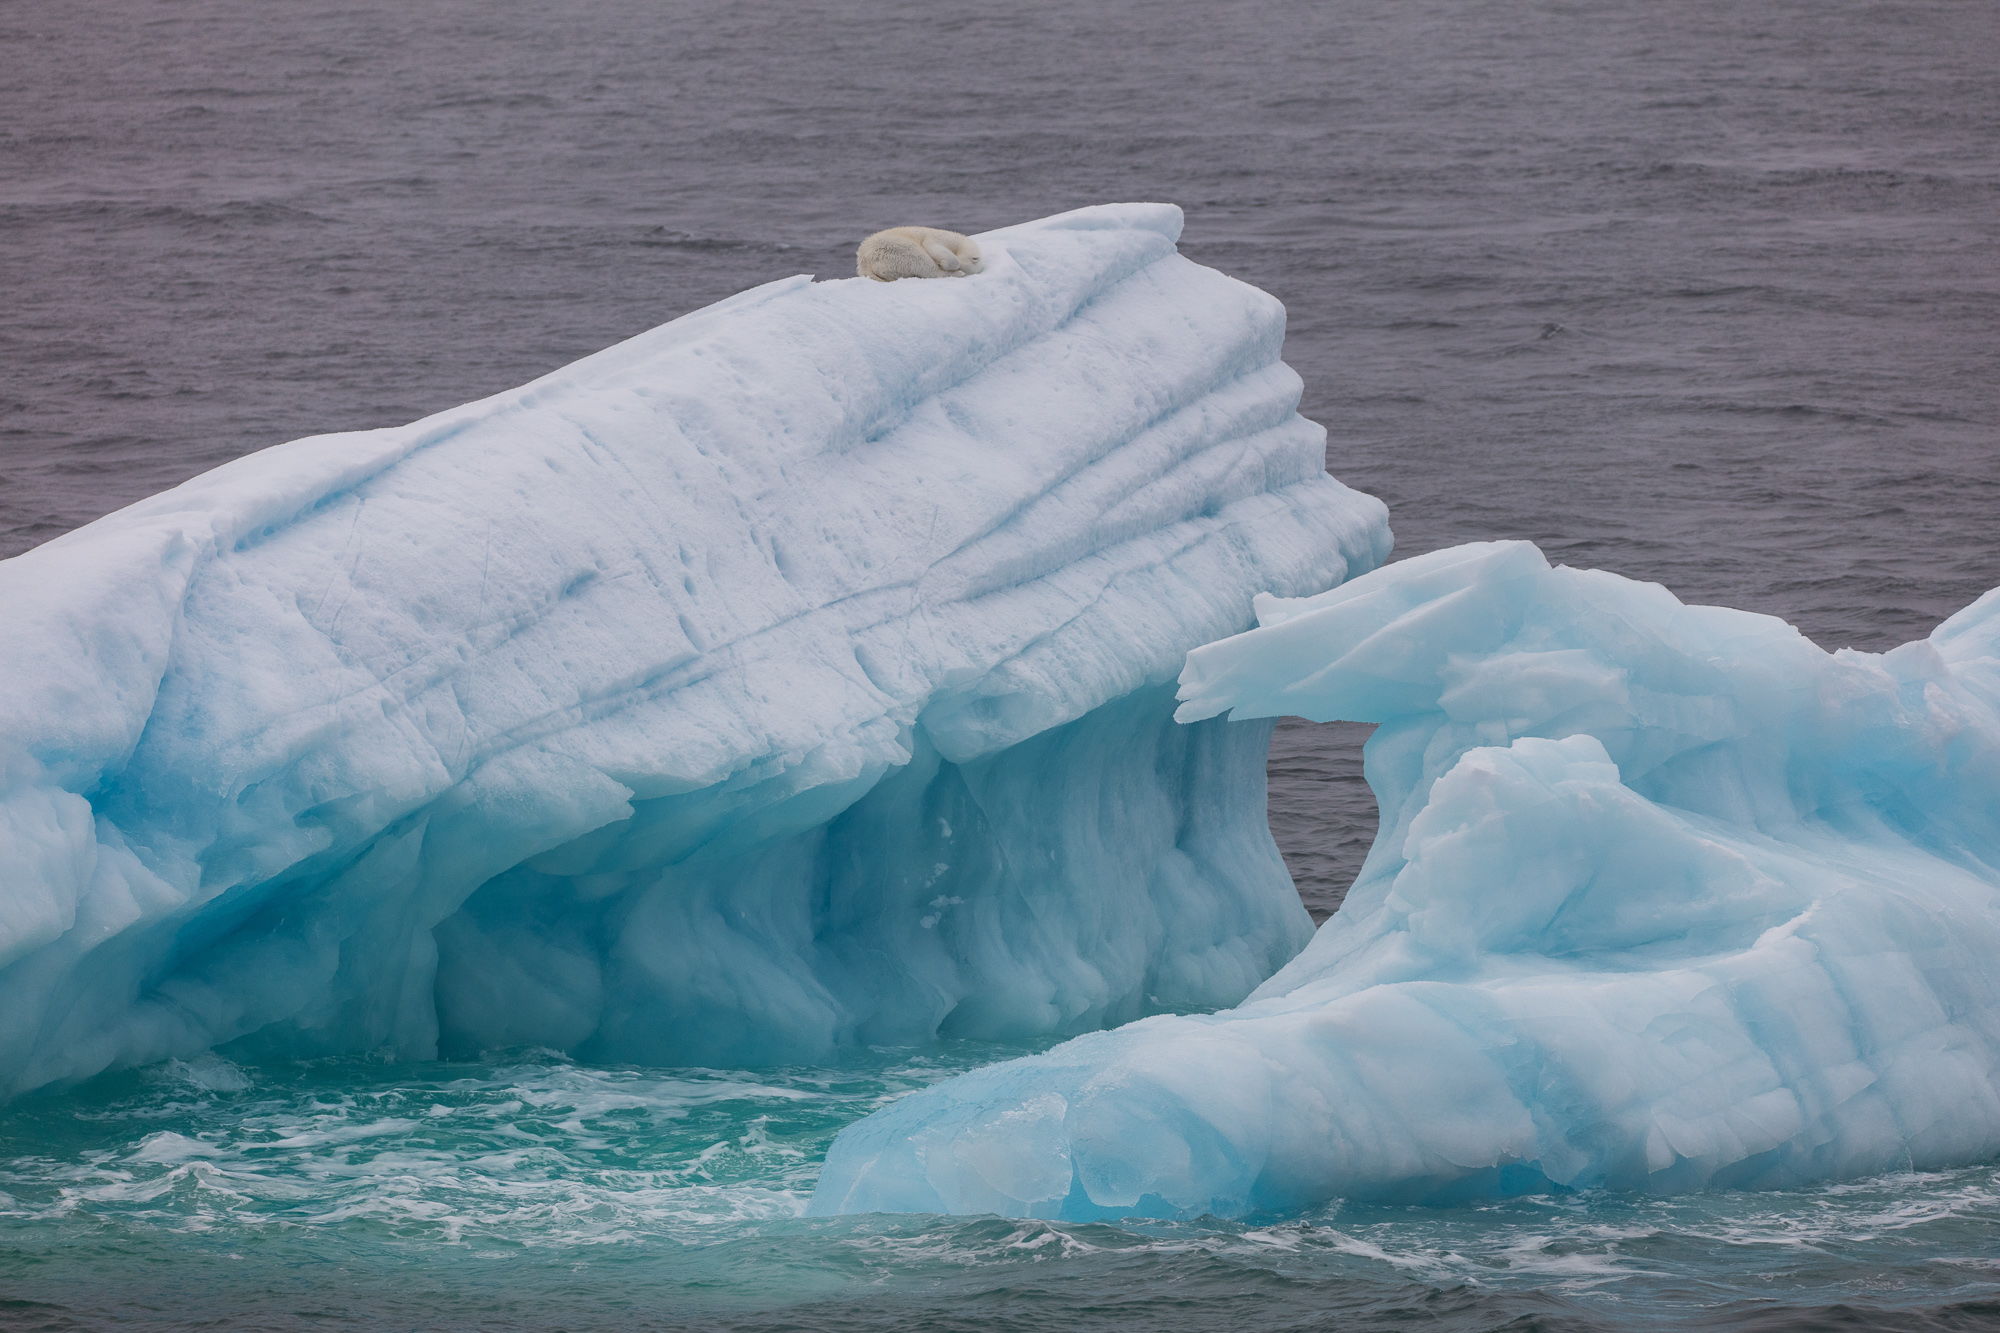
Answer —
(917, 252)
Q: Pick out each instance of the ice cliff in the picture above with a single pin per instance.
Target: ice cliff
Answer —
(795, 674)
(1664, 897)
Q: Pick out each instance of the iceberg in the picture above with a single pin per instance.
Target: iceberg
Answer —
(1665, 897)
(797, 674)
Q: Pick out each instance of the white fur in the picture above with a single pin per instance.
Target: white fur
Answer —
(917, 252)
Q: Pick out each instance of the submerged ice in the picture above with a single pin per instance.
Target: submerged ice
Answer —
(795, 674)
(1664, 897)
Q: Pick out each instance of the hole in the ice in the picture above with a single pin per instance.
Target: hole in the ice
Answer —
(1322, 813)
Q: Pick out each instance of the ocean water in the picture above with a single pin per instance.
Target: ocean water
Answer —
(535, 1193)
(1701, 292)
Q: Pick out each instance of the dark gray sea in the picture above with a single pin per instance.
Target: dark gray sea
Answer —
(1700, 291)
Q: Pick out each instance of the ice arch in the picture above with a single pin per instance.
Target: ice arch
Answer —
(1664, 897)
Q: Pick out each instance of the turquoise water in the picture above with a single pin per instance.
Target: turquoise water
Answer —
(539, 1193)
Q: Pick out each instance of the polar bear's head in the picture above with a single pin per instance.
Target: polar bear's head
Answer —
(969, 256)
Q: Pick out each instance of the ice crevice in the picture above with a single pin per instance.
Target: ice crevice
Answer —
(629, 713)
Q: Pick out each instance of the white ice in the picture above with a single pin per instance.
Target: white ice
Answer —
(1665, 897)
(793, 675)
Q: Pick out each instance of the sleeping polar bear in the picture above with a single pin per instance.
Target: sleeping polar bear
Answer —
(917, 252)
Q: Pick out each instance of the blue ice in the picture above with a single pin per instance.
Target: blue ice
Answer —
(1664, 897)
(797, 674)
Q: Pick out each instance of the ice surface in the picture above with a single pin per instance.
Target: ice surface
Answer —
(795, 674)
(1664, 897)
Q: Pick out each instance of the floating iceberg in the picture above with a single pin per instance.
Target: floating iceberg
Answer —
(795, 674)
(1664, 897)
